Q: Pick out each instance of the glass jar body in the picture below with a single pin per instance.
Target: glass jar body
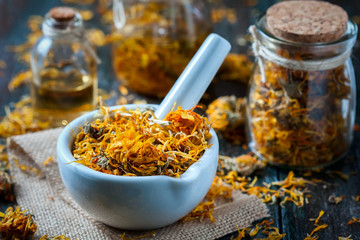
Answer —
(64, 83)
(301, 118)
(157, 41)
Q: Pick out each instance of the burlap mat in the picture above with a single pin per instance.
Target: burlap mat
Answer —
(56, 213)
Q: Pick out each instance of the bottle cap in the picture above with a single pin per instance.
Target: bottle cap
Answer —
(307, 21)
(62, 14)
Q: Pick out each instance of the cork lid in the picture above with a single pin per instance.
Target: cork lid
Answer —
(62, 14)
(306, 21)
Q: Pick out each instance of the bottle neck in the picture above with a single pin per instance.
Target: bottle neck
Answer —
(71, 30)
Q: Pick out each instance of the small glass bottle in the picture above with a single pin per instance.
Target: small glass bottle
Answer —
(64, 83)
(301, 98)
(156, 40)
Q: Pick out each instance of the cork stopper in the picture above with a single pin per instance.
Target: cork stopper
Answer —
(306, 21)
(62, 14)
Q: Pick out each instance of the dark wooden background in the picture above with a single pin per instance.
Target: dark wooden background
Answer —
(290, 219)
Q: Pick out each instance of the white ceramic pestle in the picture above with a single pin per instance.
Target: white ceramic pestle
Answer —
(196, 77)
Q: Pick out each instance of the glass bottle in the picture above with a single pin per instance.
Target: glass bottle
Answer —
(64, 83)
(155, 40)
(300, 113)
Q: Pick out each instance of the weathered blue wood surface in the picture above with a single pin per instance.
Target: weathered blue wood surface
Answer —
(291, 220)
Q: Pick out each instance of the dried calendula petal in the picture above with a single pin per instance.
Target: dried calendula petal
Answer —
(26, 168)
(149, 234)
(353, 220)
(17, 224)
(336, 200)
(60, 237)
(96, 37)
(48, 160)
(19, 79)
(220, 14)
(345, 238)
(316, 221)
(206, 208)
(245, 164)
(227, 115)
(356, 199)
(123, 90)
(21, 120)
(318, 227)
(135, 143)
(263, 228)
(86, 14)
(236, 67)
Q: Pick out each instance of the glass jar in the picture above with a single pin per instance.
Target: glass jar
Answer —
(64, 83)
(155, 40)
(301, 98)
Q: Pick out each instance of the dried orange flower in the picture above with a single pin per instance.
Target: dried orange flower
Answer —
(16, 224)
(20, 79)
(236, 67)
(353, 220)
(220, 14)
(150, 64)
(135, 143)
(21, 120)
(227, 115)
(265, 228)
(340, 174)
(336, 200)
(245, 164)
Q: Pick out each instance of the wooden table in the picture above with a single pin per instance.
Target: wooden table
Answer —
(292, 220)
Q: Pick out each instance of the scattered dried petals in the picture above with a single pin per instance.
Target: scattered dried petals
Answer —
(149, 234)
(353, 220)
(16, 224)
(334, 173)
(61, 237)
(227, 115)
(336, 200)
(21, 120)
(48, 160)
(19, 79)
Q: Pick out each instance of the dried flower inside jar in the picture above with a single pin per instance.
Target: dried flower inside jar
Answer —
(157, 41)
(301, 100)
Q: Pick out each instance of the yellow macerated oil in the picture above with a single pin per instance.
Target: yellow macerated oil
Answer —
(63, 96)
